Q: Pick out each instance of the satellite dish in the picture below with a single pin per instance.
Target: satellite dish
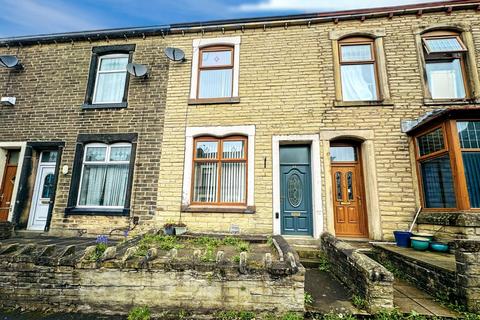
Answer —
(10, 62)
(137, 70)
(175, 54)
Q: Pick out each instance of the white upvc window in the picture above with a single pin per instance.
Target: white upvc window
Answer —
(215, 68)
(111, 78)
(104, 178)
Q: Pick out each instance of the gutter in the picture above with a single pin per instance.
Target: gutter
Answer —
(241, 24)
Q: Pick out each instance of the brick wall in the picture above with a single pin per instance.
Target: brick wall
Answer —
(50, 92)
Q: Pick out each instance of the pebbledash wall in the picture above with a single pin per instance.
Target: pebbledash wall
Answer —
(287, 91)
(50, 92)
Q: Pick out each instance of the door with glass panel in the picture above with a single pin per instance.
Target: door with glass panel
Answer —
(348, 191)
(8, 183)
(296, 190)
(43, 191)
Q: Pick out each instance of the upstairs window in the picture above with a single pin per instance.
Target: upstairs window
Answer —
(111, 79)
(215, 72)
(358, 69)
(445, 66)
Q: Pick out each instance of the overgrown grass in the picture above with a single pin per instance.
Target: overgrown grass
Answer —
(307, 298)
(140, 313)
(160, 241)
(359, 302)
(324, 264)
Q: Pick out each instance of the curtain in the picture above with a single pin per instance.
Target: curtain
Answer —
(104, 185)
(206, 182)
(233, 182)
(110, 87)
(445, 80)
(438, 183)
(215, 83)
(471, 162)
(358, 82)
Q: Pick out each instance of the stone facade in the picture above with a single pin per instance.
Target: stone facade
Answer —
(367, 278)
(64, 279)
(50, 92)
(281, 93)
(467, 257)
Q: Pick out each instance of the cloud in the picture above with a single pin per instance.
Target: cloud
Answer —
(320, 5)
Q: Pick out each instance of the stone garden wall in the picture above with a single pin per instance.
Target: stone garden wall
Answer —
(467, 258)
(46, 278)
(366, 277)
(6, 230)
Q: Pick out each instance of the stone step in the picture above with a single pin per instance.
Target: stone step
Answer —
(310, 263)
(307, 252)
(303, 241)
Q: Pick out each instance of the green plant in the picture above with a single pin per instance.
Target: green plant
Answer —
(163, 242)
(307, 298)
(140, 313)
(235, 315)
(182, 314)
(270, 241)
(292, 316)
(338, 316)
(415, 316)
(243, 246)
(208, 255)
(236, 258)
(324, 264)
(384, 314)
(359, 302)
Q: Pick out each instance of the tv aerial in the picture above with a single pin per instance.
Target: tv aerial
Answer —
(175, 54)
(10, 62)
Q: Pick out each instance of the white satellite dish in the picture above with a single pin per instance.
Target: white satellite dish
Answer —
(175, 54)
(10, 62)
(137, 70)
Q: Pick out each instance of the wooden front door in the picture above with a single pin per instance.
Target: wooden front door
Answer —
(348, 192)
(8, 182)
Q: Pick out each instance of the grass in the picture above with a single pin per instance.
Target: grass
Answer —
(99, 250)
(140, 313)
(163, 242)
(324, 264)
(359, 302)
(307, 298)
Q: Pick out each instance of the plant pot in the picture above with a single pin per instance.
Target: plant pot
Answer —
(402, 238)
(170, 231)
(180, 230)
(419, 243)
(439, 247)
(423, 235)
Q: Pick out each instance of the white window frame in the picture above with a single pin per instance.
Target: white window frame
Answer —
(198, 44)
(218, 132)
(105, 162)
(98, 72)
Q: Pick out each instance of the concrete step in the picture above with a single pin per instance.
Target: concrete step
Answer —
(310, 263)
(303, 241)
(307, 252)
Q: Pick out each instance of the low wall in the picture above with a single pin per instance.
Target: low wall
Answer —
(366, 277)
(6, 230)
(45, 279)
(467, 258)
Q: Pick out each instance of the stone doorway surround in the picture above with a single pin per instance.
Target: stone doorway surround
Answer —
(4, 147)
(370, 175)
(314, 142)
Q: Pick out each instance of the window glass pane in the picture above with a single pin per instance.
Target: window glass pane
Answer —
(48, 185)
(215, 83)
(110, 87)
(445, 79)
(207, 149)
(233, 184)
(350, 185)
(111, 64)
(49, 156)
(216, 58)
(469, 134)
(233, 149)
(104, 185)
(339, 154)
(438, 183)
(358, 82)
(431, 142)
(13, 157)
(96, 153)
(338, 185)
(471, 162)
(206, 182)
(443, 45)
(357, 52)
(120, 153)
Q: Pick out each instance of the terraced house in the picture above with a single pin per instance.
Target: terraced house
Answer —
(346, 122)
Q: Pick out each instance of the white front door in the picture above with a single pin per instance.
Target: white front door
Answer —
(42, 193)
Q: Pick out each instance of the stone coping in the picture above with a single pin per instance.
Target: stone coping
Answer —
(456, 219)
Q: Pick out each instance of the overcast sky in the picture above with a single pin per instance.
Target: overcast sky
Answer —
(29, 17)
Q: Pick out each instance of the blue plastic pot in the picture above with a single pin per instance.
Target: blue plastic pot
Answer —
(420, 244)
(439, 247)
(402, 238)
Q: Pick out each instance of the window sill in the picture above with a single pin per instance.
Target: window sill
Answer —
(214, 101)
(443, 102)
(120, 105)
(450, 218)
(72, 211)
(380, 103)
(215, 209)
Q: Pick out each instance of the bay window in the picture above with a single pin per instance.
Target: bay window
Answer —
(220, 171)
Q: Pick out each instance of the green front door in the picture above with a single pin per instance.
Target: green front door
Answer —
(296, 190)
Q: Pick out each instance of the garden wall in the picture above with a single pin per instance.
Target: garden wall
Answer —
(6, 229)
(45, 278)
(366, 277)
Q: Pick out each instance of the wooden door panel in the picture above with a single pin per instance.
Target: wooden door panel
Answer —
(6, 191)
